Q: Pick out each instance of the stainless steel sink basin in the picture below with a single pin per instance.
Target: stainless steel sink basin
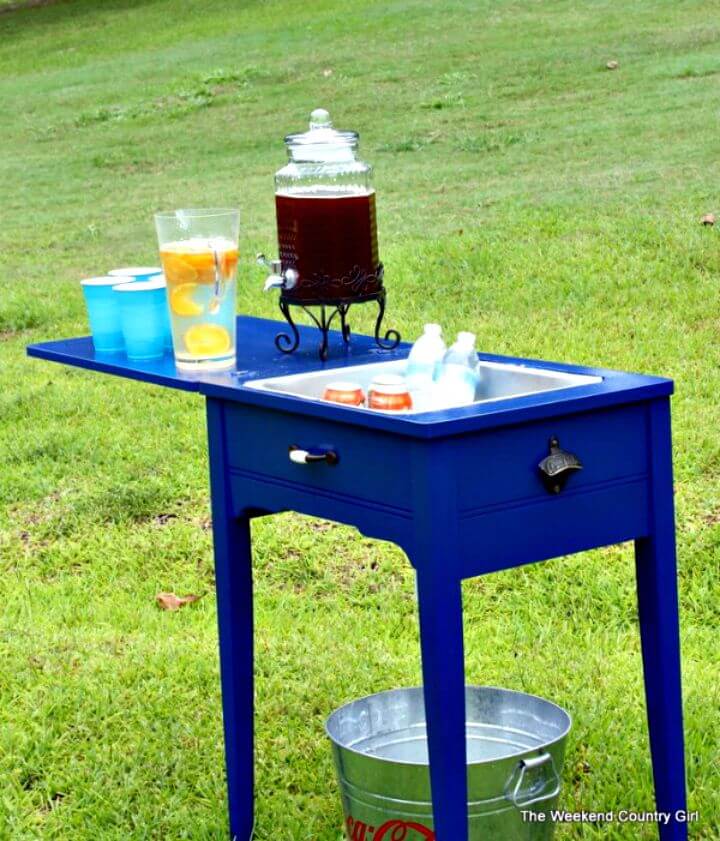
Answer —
(498, 381)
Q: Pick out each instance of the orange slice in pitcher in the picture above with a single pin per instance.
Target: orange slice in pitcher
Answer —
(177, 268)
(204, 265)
(228, 262)
(207, 339)
(181, 300)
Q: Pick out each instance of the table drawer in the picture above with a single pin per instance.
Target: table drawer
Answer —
(493, 468)
(370, 465)
(500, 467)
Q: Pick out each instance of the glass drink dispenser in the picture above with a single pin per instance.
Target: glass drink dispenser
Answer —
(327, 233)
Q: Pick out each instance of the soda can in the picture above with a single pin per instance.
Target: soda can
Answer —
(346, 393)
(389, 393)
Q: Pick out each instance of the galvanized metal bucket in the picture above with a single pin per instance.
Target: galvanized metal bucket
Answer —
(515, 752)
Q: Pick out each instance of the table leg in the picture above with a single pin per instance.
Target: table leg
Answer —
(441, 640)
(233, 585)
(660, 633)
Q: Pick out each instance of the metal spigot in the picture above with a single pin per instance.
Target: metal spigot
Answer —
(277, 279)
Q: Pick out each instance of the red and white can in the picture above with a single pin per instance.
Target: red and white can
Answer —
(347, 393)
(389, 393)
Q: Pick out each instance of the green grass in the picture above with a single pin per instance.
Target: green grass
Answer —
(524, 192)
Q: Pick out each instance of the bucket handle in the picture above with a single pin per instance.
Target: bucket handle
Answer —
(544, 781)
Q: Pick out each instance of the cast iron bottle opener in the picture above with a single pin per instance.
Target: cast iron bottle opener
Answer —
(558, 467)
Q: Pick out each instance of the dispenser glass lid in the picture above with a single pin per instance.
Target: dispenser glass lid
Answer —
(321, 142)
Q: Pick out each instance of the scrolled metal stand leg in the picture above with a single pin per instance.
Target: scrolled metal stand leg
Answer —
(287, 343)
(345, 327)
(341, 310)
(391, 339)
(324, 327)
(284, 342)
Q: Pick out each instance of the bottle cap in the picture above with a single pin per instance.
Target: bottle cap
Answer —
(466, 338)
(433, 329)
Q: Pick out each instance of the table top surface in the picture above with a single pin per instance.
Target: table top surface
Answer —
(258, 358)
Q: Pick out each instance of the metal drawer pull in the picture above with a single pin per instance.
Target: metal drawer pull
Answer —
(300, 456)
(558, 467)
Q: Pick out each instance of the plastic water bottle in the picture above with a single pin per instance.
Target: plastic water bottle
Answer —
(458, 376)
(425, 358)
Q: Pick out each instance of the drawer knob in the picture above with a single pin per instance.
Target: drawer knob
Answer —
(557, 467)
(300, 456)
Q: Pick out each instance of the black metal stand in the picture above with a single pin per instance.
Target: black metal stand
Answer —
(324, 318)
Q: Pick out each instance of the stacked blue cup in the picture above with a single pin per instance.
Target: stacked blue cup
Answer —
(144, 317)
(145, 273)
(168, 329)
(103, 312)
(136, 272)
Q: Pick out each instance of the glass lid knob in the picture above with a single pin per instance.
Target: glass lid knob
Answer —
(322, 143)
(320, 118)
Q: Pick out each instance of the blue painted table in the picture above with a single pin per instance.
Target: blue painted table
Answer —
(459, 491)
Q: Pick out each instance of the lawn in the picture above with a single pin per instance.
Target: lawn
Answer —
(525, 192)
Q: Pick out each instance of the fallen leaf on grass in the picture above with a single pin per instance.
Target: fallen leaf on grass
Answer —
(169, 601)
(708, 219)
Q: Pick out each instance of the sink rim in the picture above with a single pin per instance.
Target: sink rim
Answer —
(564, 380)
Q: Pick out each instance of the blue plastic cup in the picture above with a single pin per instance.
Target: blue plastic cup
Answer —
(104, 313)
(168, 330)
(140, 273)
(136, 272)
(143, 314)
